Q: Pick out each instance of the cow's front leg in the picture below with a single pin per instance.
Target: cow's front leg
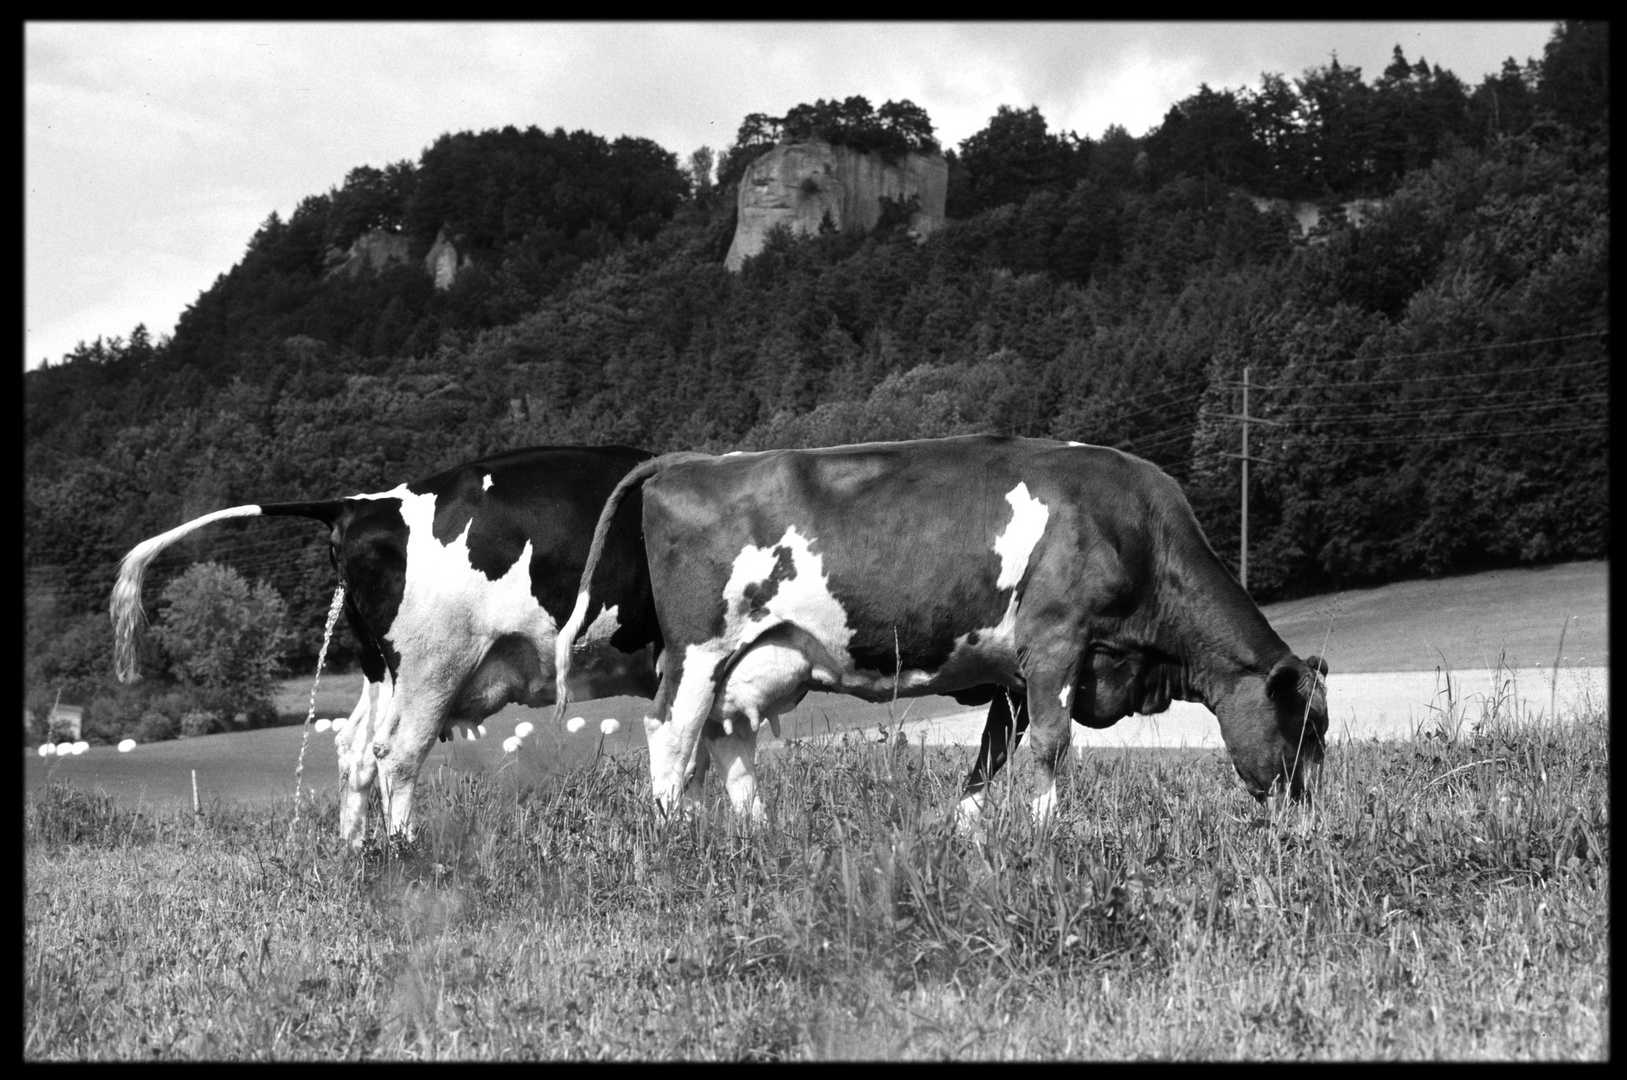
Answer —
(1002, 731)
(688, 690)
(1050, 674)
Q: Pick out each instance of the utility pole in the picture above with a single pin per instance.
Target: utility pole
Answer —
(1246, 419)
(1242, 561)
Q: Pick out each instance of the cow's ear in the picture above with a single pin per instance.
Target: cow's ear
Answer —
(1319, 665)
(1284, 678)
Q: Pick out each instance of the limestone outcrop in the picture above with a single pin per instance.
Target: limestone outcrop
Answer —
(373, 250)
(800, 184)
(444, 261)
(377, 248)
(1307, 215)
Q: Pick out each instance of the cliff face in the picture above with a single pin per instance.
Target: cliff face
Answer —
(1307, 214)
(798, 184)
(444, 261)
(377, 248)
(373, 250)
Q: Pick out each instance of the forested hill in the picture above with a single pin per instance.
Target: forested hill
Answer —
(1426, 393)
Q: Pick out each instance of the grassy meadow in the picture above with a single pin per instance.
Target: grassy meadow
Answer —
(1446, 897)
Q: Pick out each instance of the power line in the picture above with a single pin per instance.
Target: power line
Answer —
(1448, 412)
(1443, 437)
(1455, 376)
(1380, 357)
(1520, 397)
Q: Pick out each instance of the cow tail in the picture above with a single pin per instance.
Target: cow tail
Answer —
(125, 604)
(566, 640)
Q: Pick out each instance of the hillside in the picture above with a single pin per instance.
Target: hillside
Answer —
(1460, 622)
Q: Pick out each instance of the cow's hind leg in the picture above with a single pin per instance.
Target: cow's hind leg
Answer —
(689, 688)
(1002, 731)
(735, 754)
(412, 724)
(764, 680)
(358, 768)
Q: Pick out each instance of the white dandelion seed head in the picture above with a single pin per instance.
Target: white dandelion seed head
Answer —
(609, 725)
(575, 724)
(510, 745)
(126, 746)
(523, 729)
(64, 749)
(47, 749)
(80, 747)
(324, 724)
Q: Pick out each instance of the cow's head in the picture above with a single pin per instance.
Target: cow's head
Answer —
(1274, 725)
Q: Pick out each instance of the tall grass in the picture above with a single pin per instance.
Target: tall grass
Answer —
(1446, 897)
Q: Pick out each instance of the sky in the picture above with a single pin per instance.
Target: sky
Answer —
(152, 151)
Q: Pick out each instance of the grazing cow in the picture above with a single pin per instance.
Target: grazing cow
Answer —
(1055, 581)
(454, 588)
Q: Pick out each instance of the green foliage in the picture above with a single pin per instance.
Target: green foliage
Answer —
(222, 636)
(1011, 159)
(896, 129)
(1575, 75)
(370, 199)
(1208, 136)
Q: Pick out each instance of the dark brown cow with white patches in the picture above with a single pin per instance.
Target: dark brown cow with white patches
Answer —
(455, 585)
(1056, 581)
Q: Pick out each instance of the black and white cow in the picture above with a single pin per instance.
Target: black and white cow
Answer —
(455, 586)
(1057, 581)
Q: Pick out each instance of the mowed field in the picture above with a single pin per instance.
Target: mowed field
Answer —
(1446, 896)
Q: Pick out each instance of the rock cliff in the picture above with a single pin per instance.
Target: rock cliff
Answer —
(799, 184)
(1307, 214)
(444, 261)
(377, 248)
(373, 250)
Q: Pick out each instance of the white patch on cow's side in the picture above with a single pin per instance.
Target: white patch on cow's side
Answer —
(447, 604)
(1072, 443)
(804, 599)
(485, 482)
(1066, 698)
(450, 616)
(734, 453)
(1016, 544)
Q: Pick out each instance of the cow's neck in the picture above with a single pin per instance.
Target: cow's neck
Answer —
(1214, 629)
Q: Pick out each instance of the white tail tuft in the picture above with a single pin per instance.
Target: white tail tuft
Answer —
(125, 604)
(562, 653)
